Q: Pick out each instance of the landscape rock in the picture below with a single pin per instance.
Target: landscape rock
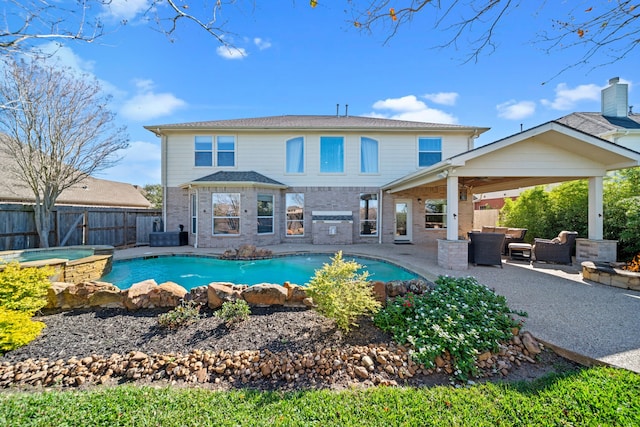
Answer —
(530, 343)
(221, 292)
(296, 294)
(167, 294)
(380, 291)
(83, 295)
(198, 295)
(264, 294)
(137, 296)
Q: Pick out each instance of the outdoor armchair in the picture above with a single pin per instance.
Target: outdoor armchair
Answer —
(486, 248)
(558, 250)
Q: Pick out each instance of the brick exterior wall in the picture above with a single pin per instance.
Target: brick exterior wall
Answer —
(315, 199)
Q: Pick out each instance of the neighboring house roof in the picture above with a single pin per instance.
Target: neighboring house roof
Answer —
(313, 122)
(597, 124)
(249, 178)
(89, 192)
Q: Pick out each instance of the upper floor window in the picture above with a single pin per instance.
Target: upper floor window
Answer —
(368, 155)
(295, 155)
(331, 154)
(225, 151)
(226, 213)
(429, 151)
(265, 213)
(435, 213)
(226, 146)
(204, 151)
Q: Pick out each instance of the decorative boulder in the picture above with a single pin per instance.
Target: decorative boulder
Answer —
(380, 291)
(296, 294)
(198, 295)
(167, 294)
(137, 296)
(83, 295)
(221, 292)
(265, 294)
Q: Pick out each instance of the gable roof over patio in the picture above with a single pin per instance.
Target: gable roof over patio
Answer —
(551, 152)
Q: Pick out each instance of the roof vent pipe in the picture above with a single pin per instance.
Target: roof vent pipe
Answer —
(337, 110)
(346, 110)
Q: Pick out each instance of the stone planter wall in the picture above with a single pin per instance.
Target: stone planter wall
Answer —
(149, 294)
(608, 274)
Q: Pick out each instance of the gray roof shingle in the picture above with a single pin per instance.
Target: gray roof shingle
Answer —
(311, 122)
(237, 176)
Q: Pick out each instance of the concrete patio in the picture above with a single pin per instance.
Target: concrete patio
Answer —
(582, 320)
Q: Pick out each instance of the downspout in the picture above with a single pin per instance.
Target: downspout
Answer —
(195, 242)
(163, 143)
(380, 217)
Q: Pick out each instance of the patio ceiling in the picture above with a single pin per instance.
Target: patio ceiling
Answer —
(546, 154)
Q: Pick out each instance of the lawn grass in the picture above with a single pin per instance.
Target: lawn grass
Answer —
(595, 396)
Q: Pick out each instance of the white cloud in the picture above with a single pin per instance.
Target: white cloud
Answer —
(443, 98)
(147, 104)
(411, 108)
(140, 165)
(566, 98)
(228, 52)
(513, 110)
(261, 44)
(62, 56)
(125, 9)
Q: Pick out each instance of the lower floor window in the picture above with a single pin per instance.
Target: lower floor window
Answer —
(435, 213)
(265, 214)
(295, 214)
(368, 214)
(226, 213)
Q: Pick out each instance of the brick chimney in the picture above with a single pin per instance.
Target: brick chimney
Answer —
(615, 99)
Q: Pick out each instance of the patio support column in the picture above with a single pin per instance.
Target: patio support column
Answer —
(595, 248)
(595, 208)
(452, 208)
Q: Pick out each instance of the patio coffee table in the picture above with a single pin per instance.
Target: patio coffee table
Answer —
(520, 251)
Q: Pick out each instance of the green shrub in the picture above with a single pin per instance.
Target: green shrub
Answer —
(234, 312)
(17, 329)
(459, 316)
(341, 294)
(24, 289)
(185, 314)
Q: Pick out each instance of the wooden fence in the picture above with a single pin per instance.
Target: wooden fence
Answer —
(73, 225)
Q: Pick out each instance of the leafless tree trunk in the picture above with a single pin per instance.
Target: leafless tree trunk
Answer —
(58, 130)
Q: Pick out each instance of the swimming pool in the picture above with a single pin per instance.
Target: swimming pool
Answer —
(191, 271)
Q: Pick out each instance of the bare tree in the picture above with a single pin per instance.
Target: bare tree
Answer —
(609, 28)
(26, 21)
(58, 129)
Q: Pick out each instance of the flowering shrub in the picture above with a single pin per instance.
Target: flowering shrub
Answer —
(341, 294)
(459, 317)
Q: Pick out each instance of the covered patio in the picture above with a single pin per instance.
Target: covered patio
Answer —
(549, 153)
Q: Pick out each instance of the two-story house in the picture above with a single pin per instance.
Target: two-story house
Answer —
(344, 179)
(311, 179)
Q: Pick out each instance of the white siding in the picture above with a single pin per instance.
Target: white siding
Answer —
(265, 154)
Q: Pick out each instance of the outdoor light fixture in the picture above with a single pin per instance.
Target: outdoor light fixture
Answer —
(463, 195)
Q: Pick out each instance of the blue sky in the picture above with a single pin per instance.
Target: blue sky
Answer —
(301, 60)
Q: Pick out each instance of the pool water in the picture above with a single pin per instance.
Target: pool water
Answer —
(190, 272)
